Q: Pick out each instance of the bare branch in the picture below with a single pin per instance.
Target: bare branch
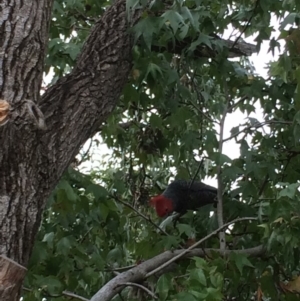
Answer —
(84, 155)
(247, 25)
(235, 49)
(196, 173)
(74, 296)
(230, 108)
(146, 218)
(64, 293)
(256, 126)
(120, 269)
(263, 186)
(198, 243)
(198, 109)
(127, 125)
(141, 287)
(220, 182)
(139, 273)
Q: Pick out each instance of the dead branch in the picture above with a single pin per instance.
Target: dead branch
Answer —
(141, 272)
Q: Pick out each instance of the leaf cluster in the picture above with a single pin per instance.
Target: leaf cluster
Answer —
(166, 125)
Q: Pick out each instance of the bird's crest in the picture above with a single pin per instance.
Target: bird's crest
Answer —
(163, 205)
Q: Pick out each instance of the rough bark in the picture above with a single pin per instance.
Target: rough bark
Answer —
(24, 27)
(32, 160)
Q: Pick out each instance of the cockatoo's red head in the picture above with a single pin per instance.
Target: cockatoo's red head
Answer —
(163, 205)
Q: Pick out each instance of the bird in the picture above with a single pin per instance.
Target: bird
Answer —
(182, 195)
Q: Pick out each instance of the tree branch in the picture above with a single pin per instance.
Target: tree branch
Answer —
(138, 274)
(236, 49)
(247, 25)
(120, 269)
(198, 243)
(242, 99)
(220, 182)
(146, 218)
(141, 287)
(256, 126)
(64, 293)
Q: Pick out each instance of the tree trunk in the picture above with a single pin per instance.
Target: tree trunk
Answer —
(32, 160)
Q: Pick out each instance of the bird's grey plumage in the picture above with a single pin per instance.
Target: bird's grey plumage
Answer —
(185, 197)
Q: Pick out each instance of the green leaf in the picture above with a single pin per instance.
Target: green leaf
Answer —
(289, 191)
(173, 18)
(163, 286)
(289, 19)
(155, 121)
(66, 187)
(241, 261)
(200, 262)
(48, 238)
(186, 229)
(145, 28)
(217, 279)
(235, 130)
(104, 211)
(98, 191)
(64, 245)
(53, 285)
(205, 39)
(198, 275)
(184, 296)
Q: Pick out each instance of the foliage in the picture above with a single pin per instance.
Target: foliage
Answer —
(166, 123)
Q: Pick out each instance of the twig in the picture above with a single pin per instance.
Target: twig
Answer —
(64, 293)
(198, 243)
(246, 26)
(289, 157)
(72, 295)
(187, 168)
(141, 287)
(200, 111)
(199, 96)
(120, 269)
(258, 125)
(85, 235)
(196, 173)
(263, 186)
(148, 219)
(181, 276)
(230, 108)
(83, 157)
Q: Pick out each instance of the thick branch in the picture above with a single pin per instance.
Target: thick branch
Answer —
(234, 49)
(138, 274)
(198, 243)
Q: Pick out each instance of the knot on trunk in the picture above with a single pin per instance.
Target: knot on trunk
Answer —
(22, 113)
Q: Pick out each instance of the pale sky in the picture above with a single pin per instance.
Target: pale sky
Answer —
(230, 148)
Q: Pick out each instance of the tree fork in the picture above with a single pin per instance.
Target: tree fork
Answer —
(33, 157)
(32, 161)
